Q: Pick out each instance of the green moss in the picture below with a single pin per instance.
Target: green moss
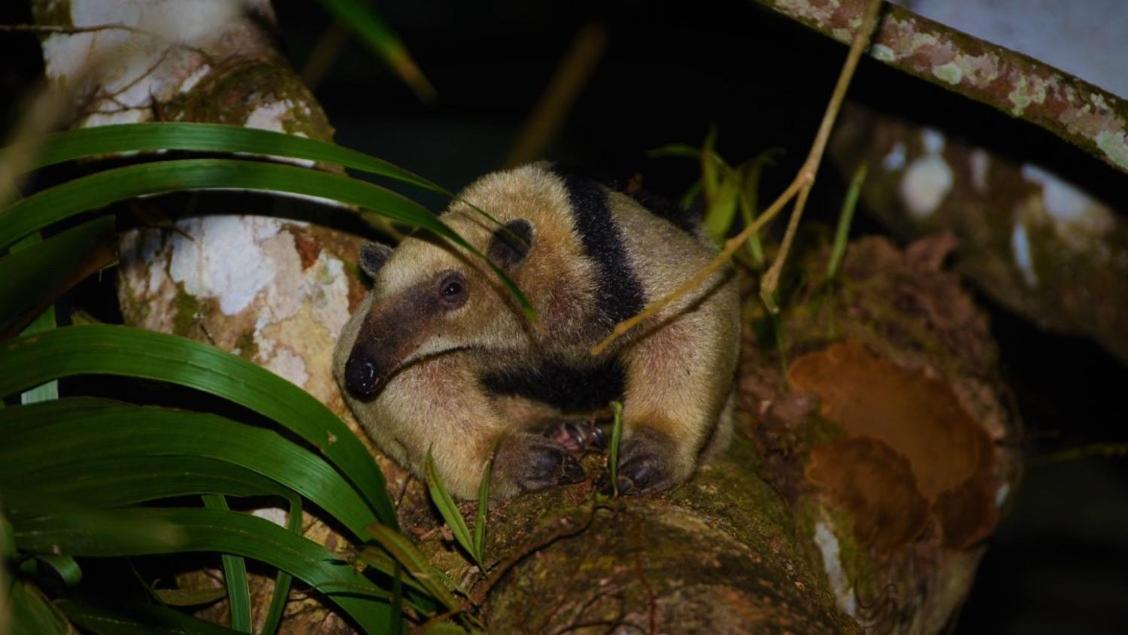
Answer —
(187, 312)
(230, 94)
(52, 12)
(246, 345)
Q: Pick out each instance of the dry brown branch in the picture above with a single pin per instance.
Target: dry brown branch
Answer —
(47, 29)
(567, 83)
(800, 186)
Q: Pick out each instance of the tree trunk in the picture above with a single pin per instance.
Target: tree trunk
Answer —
(874, 445)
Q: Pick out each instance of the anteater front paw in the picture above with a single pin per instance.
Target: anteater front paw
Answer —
(528, 462)
(645, 464)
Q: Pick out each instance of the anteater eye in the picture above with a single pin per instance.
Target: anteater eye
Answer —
(452, 290)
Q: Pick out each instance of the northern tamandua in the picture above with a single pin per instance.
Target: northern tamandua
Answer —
(440, 356)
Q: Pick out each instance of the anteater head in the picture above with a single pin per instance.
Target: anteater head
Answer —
(431, 298)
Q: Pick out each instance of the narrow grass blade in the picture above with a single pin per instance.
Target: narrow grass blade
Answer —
(72, 434)
(81, 143)
(845, 218)
(396, 625)
(33, 613)
(404, 552)
(235, 578)
(483, 515)
(448, 509)
(366, 23)
(722, 206)
(283, 580)
(31, 279)
(616, 439)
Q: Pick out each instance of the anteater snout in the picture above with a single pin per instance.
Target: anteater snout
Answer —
(361, 376)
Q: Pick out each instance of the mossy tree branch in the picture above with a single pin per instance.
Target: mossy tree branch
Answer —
(1082, 114)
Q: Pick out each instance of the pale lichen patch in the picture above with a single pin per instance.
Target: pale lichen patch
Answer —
(221, 257)
(276, 515)
(950, 72)
(1023, 258)
(1076, 215)
(269, 116)
(926, 183)
(1026, 92)
(820, 12)
(1115, 146)
(895, 160)
(883, 53)
(828, 546)
(1001, 494)
(980, 163)
(932, 140)
(288, 365)
(194, 78)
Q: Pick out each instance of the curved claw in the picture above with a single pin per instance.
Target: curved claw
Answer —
(577, 437)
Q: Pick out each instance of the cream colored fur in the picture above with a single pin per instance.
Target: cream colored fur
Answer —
(679, 366)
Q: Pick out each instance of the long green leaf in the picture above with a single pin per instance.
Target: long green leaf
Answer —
(35, 517)
(70, 431)
(448, 509)
(842, 233)
(110, 186)
(114, 350)
(209, 530)
(30, 279)
(234, 577)
(395, 543)
(31, 612)
(103, 188)
(365, 22)
(81, 143)
(139, 620)
(283, 580)
(120, 480)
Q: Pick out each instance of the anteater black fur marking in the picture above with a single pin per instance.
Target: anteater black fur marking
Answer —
(619, 295)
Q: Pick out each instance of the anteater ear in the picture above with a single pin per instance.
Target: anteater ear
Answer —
(372, 257)
(510, 243)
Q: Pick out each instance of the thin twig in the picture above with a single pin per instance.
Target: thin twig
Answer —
(803, 180)
(810, 167)
(721, 259)
(71, 30)
(563, 89)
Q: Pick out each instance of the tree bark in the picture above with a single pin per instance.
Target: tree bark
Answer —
(873, 452)
(273, 290)
(1036, 243)
(1092, 119)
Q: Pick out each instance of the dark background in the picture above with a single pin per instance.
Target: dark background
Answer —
(1059, 560)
